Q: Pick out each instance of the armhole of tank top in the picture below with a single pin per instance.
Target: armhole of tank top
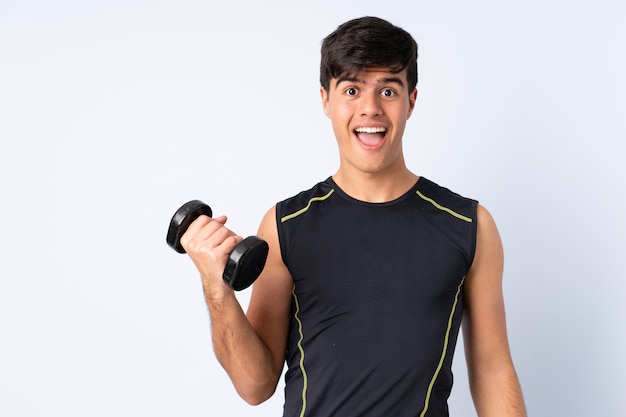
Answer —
(280, 231)
(474, 226)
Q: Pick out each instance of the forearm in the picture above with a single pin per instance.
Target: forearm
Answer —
(252, 355)
(246, 359)
(498, 394)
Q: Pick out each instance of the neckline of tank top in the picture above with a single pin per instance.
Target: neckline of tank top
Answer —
(410, 192)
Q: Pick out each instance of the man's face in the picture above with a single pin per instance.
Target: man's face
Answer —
(368, 111)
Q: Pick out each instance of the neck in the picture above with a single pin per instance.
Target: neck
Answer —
(375, 188)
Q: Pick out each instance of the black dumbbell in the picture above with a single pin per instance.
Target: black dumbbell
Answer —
(246, 261)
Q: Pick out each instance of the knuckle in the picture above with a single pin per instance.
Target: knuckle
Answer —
(184, 241)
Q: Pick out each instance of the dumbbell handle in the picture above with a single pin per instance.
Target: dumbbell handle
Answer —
(246, 261)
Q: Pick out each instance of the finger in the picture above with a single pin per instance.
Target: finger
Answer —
(223, 239)
(221, 219)
(209, 236)
(226, 240)
(197, 224)
(201, 222)
(199, 230)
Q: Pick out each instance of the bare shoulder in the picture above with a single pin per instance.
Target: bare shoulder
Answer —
(270, 302)
(488, 236)
(489, 257)
(275, 275)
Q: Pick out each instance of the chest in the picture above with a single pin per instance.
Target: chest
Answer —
(367, 256)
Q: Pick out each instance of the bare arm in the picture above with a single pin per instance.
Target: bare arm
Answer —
(493, 381)
(251, 350)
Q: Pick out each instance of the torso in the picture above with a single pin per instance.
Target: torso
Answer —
(377, 299)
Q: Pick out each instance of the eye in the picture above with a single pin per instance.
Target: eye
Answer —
(351, 91)
(388, 92)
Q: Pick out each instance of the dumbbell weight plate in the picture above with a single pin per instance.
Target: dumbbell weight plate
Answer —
(245, 263)
(181, 220)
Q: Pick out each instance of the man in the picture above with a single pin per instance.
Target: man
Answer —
(370, 271)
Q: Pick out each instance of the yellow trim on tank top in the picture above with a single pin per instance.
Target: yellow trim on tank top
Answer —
(302, 210)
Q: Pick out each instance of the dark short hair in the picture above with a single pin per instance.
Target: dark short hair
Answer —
(368, 42)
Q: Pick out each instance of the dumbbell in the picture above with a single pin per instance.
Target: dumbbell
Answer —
(245, 262)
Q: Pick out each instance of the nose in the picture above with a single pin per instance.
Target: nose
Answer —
(370, 105)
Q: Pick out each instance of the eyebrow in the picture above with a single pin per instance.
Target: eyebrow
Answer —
(355, 79)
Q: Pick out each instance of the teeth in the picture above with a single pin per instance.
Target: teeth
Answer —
(370, 130)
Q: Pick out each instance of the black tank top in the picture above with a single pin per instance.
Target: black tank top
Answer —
(377, 300)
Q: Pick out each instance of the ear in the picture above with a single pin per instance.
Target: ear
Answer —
(412, 99)
(324, 96)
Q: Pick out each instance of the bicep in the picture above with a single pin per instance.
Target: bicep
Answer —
(270, 302)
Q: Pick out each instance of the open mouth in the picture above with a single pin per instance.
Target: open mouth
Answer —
(370, 136)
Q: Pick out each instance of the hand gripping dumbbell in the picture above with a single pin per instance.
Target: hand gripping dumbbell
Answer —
(245, 262)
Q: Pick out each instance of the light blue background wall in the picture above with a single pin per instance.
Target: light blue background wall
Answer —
(114, 113)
